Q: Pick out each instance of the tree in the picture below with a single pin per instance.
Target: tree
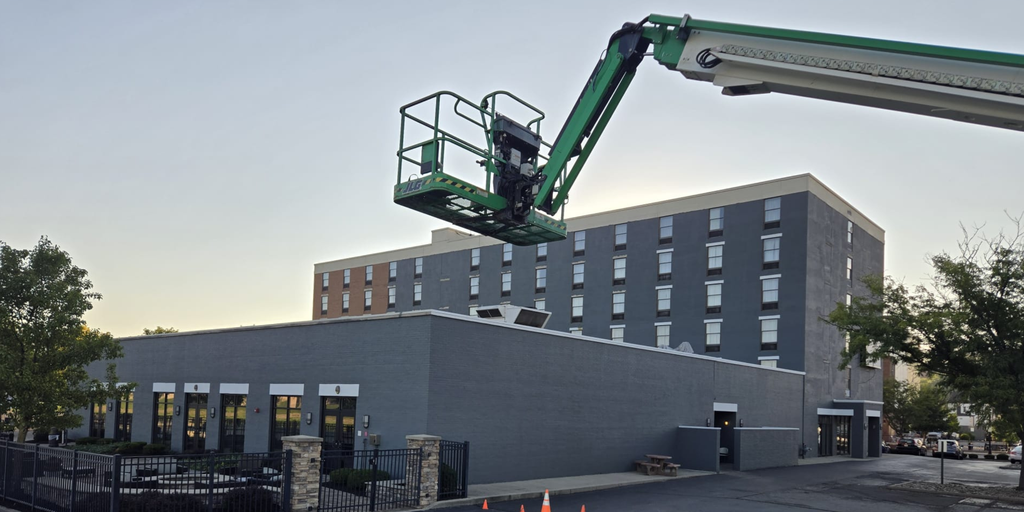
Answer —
(158, 330)
(966, 328)
(45, 345)
(898, 398)
(930, 409)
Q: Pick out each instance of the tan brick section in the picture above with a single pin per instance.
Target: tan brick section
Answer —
(429, 465)
(305, 488)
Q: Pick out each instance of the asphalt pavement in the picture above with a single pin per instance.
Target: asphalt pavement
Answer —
(853, 486)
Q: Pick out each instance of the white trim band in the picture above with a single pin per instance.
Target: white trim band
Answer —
(773, 276)
(163, 387)
(287, 389)
(720, 281)
(874, 414)
(767, 358)
(700, 428)
(656, 324)
(726, 407)
(776, 235)
(662, 287)
(834, 412)
(659, 251)
(620, 326)
(845, 401)
(713, 320)
(713, 244)
(197, 387)
(766, 428)
(339, 390)
(771, 317)
(227, 388)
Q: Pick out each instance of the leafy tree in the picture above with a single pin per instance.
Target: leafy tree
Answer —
(931, 412)
(966, 328)
(898, 398)
(158, 330)
(45, 345)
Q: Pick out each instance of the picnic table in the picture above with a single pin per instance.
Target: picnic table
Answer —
(657, 465)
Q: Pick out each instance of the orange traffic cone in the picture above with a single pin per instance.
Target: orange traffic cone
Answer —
(546, 506)
(485, 505)
(583, 508)
(522, 508)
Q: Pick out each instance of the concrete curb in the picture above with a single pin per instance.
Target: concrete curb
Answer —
(530, 495)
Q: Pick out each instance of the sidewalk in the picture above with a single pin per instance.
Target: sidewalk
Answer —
(830, 460)
(527, 489)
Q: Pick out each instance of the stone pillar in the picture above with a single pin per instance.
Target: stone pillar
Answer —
(305, 488)
(429, 466)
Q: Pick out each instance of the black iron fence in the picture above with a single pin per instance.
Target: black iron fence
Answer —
(61, 480)
(453, 470)
(369, 480)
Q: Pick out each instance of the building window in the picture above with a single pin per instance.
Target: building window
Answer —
(714, 303)
(712, 336)
(344, 302)
(474, 287)
(772, 212)
(577, 310)
(418, 272)
(98, 421)
(664, 301)
(506, 255)
(716, 222)
(232, 423)
(323, 304)
(618, 333)
(715, 259)
(506, 284)
(579, 244)
(661, 334)
(849, 300)
(367, 299)
(619, 271)
(577, 276)
(417, 294)
(369, 275)
(540, 304)
(665, 265)
(665, 230)
(620, 237)
(769, 293)
(285, 419)
(849, 269)
(196, 408)
(392, 271)
(391, 296)
(618, 305)
(769, 333)
(770, 363)
(346, 278)
(474, 259)
(541, 284)
(325, 281)
(542, 252)
(472, 310)
(576, 330)
(163, 412)
(849, 231)
(123, 418)
(770, 249)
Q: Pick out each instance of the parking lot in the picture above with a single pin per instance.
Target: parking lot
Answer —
(847, 486)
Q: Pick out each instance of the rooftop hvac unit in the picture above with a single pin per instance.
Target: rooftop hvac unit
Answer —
(514, 315)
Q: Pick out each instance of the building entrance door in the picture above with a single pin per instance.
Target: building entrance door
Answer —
(726, 421)
(825, 436)
(338, 428)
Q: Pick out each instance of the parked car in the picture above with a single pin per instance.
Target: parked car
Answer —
(949, 449)
(911, 445)
(1015, 455)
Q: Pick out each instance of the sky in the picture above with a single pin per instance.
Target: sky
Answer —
(197, 158)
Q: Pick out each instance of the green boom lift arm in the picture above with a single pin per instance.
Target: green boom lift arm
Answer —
(971, 86)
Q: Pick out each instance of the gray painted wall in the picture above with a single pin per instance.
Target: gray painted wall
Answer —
(697, 448)
(765, 448)
(536, 405)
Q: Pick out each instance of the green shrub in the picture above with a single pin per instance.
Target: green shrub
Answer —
(153, 501)
(105, 440)
(967, 436)
(155, 449)
(358, 478)
(86, 440)
(249, 499)
(1002, 456)
(340, 476)
(449, 478)
(135, 448)
(989, 456)
(972, 456)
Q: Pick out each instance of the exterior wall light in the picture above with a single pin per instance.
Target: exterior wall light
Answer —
(177, 410)
(741, 422)
(707, 422)
(110, 406)
(366, 421)
(213, 412)
(309, 418)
